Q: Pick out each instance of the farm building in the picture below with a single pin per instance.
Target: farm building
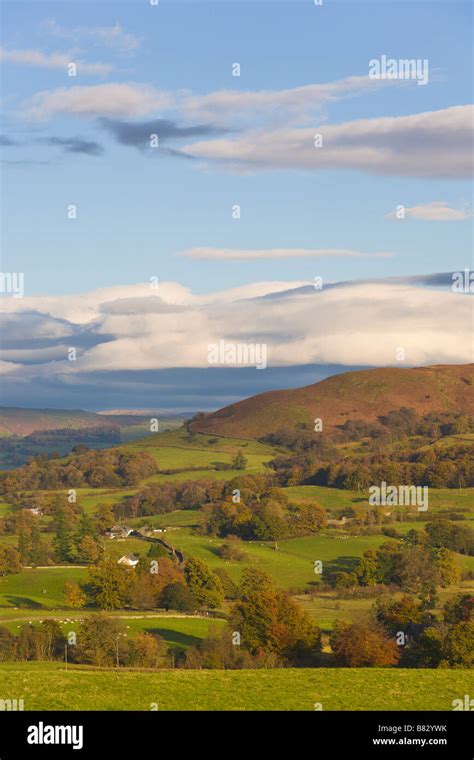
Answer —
(119, 531)
(130, 560)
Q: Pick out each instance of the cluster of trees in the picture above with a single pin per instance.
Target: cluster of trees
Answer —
(397, 425)
(424, 641)
(76, 539)
(414, 566)
(110, 468)
(403, 632)
(157, 582)
(100, 640)
(445, 534)
(161, 498)
(444, 467)
(266, 628)
(317, 461)
(404, 422)
(267, 517)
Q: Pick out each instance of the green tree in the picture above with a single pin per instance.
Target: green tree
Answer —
(459, 645)
(203, 583)
(177, 596)
(239, 462)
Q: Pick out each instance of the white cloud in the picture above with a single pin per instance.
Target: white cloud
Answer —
(231, 108)
(436, 211)
(297, 104)
(235, 254)
(114, 37)
(61, 61)
(430, 144)
(113, 100)
(357, 324)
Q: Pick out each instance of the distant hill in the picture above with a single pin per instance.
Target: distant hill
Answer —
(19, 421)
(362, 395)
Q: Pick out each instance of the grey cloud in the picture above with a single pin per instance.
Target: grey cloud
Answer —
(75, 145)
(137, 134)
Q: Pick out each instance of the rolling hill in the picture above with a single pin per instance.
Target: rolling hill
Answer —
(20, 421)
(363, 395)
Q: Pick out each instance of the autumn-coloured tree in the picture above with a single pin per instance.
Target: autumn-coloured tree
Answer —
(108, 585)
(363, 645)
(270, 621)
(74, 596)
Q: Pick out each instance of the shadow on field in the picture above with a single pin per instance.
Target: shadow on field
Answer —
(175, 638)
(339, 565)
(24, 602)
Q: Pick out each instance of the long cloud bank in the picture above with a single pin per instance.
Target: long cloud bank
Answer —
(144, 328)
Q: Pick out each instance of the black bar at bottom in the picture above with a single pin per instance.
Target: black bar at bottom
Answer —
(134, 734)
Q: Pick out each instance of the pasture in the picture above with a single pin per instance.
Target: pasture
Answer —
(47, 686)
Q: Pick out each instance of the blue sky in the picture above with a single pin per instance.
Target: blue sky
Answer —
(138, 209)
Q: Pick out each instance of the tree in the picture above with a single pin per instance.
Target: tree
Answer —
(269, 621)
(396, 614)
(177, 596)
(363, 645)
(146, 650)
(239, 462)
(228, 585)
(88, 550)
(427, 650)
(367, 570)
(306, 520)
(74, 596)
(8, 644)
(99, 641)
(460, 609)
(203, 583)
(9, 560)
(459, 645)
(219, 651)
(104, 517)
(108, 585)
(447, 567)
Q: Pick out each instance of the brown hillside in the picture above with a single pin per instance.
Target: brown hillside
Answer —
(361, 395)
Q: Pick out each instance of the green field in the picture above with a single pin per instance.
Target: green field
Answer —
(177, 631)
(47, 686)
(292, 564)
(335, 498)
(38, 588)
(176, 449)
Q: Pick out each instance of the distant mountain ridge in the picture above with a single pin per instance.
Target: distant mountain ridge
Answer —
(21, 421)
(362, 395)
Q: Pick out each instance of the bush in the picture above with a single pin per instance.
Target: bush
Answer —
(232, 549)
